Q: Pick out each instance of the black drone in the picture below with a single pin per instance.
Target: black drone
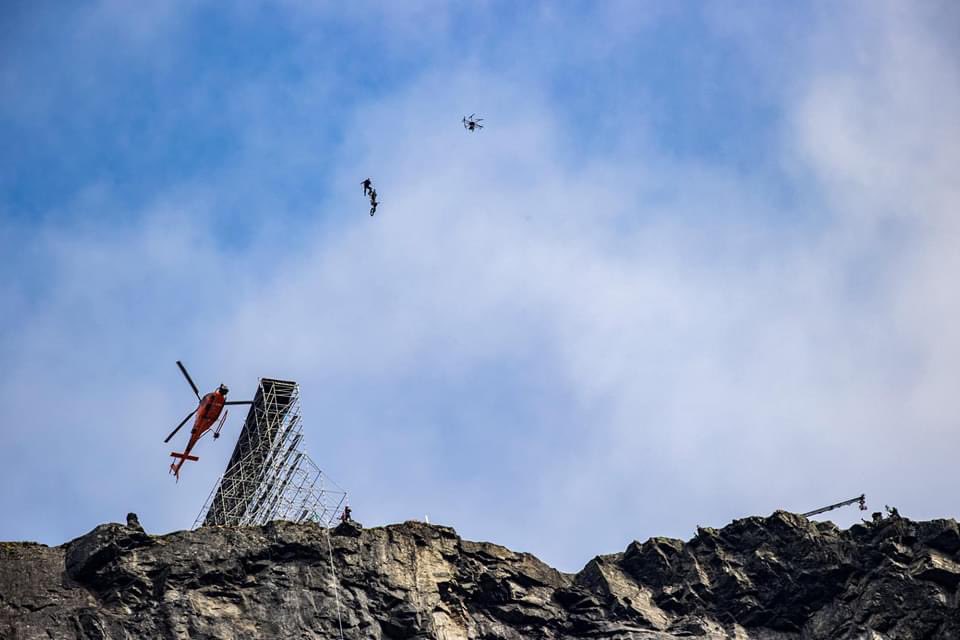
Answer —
(472, 123)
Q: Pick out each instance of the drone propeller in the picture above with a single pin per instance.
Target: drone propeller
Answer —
(186, 375)
(174, 432)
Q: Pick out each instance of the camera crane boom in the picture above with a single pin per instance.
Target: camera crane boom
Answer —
(862, 499)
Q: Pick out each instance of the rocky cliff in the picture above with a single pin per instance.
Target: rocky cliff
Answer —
(781, 577)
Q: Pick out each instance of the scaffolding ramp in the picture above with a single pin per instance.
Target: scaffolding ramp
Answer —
(269, 477)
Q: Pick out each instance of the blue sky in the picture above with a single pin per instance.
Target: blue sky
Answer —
(698, 266)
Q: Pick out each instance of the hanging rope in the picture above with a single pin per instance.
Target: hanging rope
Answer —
(336, 581)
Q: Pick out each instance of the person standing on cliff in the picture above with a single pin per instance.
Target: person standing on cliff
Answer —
(133, 522)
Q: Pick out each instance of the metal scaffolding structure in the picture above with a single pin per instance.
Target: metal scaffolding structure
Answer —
(269, 477)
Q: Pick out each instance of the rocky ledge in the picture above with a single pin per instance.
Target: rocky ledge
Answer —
(781, 577)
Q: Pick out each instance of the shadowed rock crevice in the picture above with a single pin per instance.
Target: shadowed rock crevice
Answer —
(775, 578)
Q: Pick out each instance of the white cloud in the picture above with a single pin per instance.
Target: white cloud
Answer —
(559, 353)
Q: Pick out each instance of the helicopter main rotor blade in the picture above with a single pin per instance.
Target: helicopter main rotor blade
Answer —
(174, 432)
(239, 402)
(186, 375)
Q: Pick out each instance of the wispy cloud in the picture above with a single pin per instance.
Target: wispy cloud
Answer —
(551, 343)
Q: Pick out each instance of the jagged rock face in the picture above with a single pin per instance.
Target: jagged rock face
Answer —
(775, 578)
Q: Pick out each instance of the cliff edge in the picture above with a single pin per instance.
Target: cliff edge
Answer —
(780, 577)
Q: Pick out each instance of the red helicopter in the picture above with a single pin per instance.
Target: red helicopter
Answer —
(207, 413)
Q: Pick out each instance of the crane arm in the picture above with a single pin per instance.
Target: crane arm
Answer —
(862, 499)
